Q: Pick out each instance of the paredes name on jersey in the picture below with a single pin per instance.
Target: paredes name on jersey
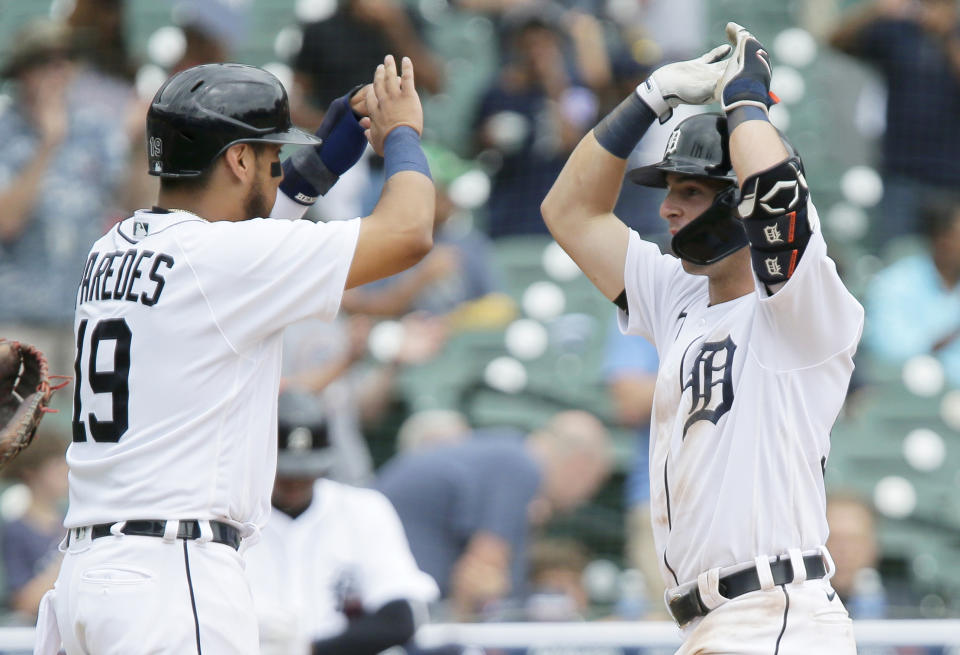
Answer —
(134, 275)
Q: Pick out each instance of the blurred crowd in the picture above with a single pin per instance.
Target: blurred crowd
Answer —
(489, 506)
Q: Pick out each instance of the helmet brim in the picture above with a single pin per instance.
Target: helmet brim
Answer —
(293, 136)
(655, 175)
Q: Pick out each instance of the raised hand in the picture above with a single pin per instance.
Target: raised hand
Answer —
(746, 80)
(392, 101)
(690, 82)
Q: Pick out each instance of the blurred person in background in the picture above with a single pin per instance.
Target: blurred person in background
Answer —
(467, 508)
(853, 546)
(456, 277)
(557, 592)
(432, 427)
(338, 51)
(327, 361)
(915, 44)
(630, 371)
(62, 166)
(531, 117)
(101, 37)
(28, 543)
(102, 47)
(913, 305)
(332, 573)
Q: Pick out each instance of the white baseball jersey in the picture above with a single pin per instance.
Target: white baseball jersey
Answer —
(347, 547)
(179, 327)
(746, 395)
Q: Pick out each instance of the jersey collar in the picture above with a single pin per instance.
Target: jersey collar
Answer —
(146, 222)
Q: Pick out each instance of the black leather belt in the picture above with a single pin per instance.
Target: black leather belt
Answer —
(223, 533)
(686, 607)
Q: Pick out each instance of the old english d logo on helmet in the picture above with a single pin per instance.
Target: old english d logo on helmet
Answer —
(200, 112)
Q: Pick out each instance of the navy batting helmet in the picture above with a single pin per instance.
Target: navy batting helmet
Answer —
(200, 112)
(303, 446)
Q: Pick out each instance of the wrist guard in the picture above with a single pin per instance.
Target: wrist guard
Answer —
(311, 171)
(620, 131)
(773, 207)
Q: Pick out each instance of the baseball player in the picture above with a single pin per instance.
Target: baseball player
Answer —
(333, 572)
(755, 333)
(180, 313)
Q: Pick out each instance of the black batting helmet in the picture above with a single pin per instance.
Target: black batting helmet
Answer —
(200, 112)
(303, 437)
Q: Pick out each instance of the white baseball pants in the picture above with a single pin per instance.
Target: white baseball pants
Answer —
(791, 619)
(126, 594)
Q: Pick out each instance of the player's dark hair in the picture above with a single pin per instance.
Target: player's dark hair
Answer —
(199, 182)
(939, 213)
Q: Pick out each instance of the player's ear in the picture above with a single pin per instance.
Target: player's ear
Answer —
(240, 159)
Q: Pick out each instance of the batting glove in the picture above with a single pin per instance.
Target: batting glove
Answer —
(746, 80)
(690, 82)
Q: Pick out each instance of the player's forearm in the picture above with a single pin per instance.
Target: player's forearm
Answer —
(407, 206)
(396, 300)
(391, 625)
(589, 184)
(755, 146)
(19, 198)
(587, 187)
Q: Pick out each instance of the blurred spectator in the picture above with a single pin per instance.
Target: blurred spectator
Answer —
(531, 118)
(916, 46)
(213, 30)
(62, 162)
(340, 51)
(676, 28)
(913, 305)
(630, 370)
(325, 359)
(432, 427)
(459, 270)
(201, 47)
(467, 508)
(101, 37)
(29, 542)
(557, 592)
(853, 546)
(332, 572)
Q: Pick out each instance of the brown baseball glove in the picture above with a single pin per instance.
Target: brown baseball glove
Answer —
(25, 392)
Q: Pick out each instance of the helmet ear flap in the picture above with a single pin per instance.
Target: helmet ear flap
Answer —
(713, 235)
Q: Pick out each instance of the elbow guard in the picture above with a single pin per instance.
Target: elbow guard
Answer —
(773, 207)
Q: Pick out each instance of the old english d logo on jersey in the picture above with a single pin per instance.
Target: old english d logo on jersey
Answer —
(711, 382)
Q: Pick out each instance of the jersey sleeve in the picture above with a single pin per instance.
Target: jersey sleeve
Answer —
(812, 317)
(655, 284)
(387, 570)
(259, 276)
